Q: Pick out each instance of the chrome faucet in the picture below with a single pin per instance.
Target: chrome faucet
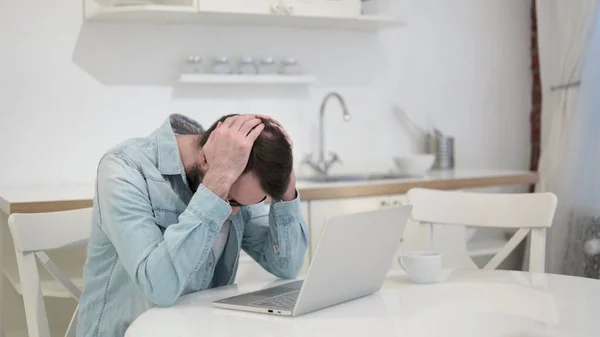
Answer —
(323, 165)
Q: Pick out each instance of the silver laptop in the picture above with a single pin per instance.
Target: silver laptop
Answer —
(352, 259)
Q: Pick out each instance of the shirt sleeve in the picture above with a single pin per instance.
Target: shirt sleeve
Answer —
(276, 238)
(161, 264)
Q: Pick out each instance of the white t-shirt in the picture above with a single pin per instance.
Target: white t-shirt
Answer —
(221, 241)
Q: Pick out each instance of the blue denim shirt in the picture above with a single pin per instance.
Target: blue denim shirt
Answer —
(152, 238)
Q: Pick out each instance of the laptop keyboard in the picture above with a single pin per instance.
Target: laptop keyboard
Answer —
(281, 302)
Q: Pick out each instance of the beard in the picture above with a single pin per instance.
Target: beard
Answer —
(194, 177)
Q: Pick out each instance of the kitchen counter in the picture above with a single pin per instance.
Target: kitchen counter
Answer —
(63, 197)
(442, 180)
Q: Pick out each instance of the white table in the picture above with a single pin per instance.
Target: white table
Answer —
(465, 303)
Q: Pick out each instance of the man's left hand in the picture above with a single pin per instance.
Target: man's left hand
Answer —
(290, 194)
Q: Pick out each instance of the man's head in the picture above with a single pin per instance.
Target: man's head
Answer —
(269, 166)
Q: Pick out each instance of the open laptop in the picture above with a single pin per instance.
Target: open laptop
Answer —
(351, 261)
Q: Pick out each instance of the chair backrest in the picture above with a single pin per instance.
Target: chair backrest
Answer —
(46, 231)
(33, 234)
(530, 213)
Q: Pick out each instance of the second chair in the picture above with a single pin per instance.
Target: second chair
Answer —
(448, 212)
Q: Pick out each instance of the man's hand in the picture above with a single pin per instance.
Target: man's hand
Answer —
(290, 193)
(227, 151)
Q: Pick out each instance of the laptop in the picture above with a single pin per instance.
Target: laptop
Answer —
(351, 261)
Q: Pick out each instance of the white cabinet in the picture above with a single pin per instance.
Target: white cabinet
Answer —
(240, 6)
(321, 210)
(326, 8)
(397, 200)
(306, 14)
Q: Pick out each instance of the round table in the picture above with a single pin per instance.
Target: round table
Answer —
(464, 303)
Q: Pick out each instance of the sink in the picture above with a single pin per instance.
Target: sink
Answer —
(354, 177)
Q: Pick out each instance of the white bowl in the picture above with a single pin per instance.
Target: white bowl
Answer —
(415, 164)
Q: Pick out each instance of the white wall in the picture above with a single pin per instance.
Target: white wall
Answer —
(69, 91)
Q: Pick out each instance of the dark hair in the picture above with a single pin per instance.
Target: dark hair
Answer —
(270, 158)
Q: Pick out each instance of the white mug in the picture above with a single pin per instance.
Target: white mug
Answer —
(423, 267)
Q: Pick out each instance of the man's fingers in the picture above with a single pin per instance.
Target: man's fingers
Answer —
(271, 120)
(229, 121)
(211, 137)
(239, 121)
(255, 132)
(264, 117)
(279, 126)
(249, 125)
(285, 134)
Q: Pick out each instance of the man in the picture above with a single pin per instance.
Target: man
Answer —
(173, 210)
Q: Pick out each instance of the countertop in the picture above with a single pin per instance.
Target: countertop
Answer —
(443, 180)
(46, 198)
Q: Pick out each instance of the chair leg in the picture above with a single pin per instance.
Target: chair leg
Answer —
(537, 255)
(35, 310)
(72, 329)
(58, 274)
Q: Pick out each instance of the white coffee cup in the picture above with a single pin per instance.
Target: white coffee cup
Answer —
(422, 267)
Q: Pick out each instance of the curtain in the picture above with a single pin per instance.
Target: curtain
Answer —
(569, 50)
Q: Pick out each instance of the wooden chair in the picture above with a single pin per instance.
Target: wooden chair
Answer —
(33, 234)
(436, 210)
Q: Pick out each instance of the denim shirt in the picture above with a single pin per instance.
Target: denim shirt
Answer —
(152, 237)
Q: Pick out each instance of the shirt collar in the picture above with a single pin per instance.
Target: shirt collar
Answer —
(169, 158)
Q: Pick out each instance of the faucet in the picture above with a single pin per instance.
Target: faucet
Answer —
(323, 165)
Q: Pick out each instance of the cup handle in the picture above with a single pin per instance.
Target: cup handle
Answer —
(401, 264)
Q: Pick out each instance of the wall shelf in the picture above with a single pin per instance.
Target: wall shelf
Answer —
(246, 79)
(188, 14)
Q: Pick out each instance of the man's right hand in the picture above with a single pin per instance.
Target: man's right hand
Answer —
(227, 151)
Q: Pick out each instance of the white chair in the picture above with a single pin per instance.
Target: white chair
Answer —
(434, 210)
(32, 235)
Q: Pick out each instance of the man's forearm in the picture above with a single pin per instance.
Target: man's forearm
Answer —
(292, 232)
(278, 240)
(218, 183)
